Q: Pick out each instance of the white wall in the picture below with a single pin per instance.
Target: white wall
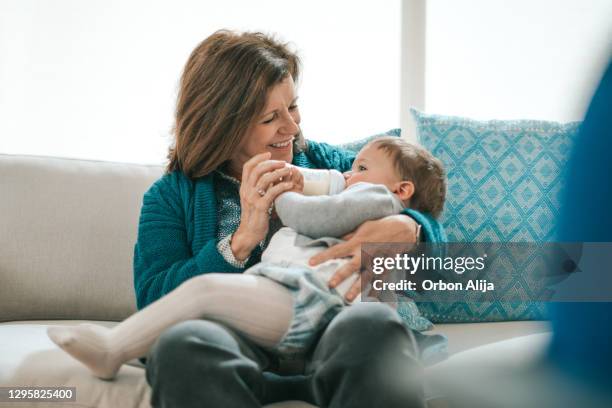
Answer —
(97, 78)
(537, 59)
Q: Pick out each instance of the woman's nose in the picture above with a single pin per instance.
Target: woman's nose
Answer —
(290, 126)
(348, 175)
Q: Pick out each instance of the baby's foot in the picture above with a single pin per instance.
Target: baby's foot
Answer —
(88, 343)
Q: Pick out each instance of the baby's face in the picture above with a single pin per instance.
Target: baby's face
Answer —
(373, 165)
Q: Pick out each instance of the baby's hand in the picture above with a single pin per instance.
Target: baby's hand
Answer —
(297, 178)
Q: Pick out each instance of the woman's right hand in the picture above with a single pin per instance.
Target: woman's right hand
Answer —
(262, 181)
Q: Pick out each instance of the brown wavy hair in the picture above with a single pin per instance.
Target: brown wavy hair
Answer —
(223, 89)
(415, 163)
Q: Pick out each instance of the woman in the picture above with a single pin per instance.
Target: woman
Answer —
(237, 124)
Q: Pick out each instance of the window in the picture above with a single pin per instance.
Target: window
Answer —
(98, 79)
(509, 59)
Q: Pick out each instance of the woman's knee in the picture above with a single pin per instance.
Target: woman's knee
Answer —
(370, 319)
(369, 340)
(180, 344)
(367, 331)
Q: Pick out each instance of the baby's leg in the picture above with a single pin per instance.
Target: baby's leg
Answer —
(255, 306)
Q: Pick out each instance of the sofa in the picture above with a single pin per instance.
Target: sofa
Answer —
(67, 233)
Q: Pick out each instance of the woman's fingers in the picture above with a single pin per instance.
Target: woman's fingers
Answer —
(262, 168)
(272, 177)
(348, 236)
(274, 192)
(247, 168)
(337, 251)
(343, 273)
(298, 179)
(354, 290)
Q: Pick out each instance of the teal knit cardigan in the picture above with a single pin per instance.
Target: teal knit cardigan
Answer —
(178, 222)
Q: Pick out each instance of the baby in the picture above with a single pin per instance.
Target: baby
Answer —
(281, 303)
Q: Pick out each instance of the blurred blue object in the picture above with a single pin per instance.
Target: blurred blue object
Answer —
(583, 331)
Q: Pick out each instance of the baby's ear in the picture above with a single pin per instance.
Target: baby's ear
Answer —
(405, 190)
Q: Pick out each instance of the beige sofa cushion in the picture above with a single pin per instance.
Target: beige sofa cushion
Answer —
(68, 229)
(465, 336)
(33, 360)
(29, 358)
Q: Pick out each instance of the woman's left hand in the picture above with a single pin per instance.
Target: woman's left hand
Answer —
(394, 228)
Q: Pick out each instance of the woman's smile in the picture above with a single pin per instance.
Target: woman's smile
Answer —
(283, 145)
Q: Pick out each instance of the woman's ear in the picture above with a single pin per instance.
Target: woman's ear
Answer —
(405, 190)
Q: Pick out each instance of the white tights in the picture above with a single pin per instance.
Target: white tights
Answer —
(255, 306)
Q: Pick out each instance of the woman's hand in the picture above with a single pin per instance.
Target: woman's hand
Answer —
(297, 178)
(394, 228)
(262, 181)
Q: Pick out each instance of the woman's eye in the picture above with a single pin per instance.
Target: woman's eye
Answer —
(361, 168)
(293, 107)
(268, 120)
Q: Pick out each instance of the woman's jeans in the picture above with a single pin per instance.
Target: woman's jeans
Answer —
(365, 357)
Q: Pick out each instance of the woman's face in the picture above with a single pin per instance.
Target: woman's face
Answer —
(274, 130)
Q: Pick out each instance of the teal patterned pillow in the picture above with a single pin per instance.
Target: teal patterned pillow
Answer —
(504, 183)
(356, 145)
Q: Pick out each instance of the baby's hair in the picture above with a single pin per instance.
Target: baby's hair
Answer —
(415, 163)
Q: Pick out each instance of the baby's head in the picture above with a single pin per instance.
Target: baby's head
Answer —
(408, 170)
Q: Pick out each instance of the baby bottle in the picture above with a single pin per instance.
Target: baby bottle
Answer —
(322, 182)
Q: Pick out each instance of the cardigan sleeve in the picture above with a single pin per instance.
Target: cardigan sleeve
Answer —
(326, 156)
(163, 258)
